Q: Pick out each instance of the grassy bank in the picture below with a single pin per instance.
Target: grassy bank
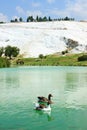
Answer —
(54, 60)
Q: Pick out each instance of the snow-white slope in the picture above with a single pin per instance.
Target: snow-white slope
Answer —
(43, 37)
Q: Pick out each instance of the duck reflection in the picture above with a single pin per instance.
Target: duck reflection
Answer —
(47, 113)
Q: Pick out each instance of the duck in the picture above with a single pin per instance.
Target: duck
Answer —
(43, 103)
(44, 99)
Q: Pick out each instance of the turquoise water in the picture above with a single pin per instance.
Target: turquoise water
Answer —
(19, 88)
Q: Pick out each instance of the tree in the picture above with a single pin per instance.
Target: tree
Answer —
(49, 19)
(1, 51)
(11, 51)
(44, 18)
(30, 19)
(8, 51)
(41, 56)
(40, 19)
(66, 18)
(21, 19)
(15, 51)
(37, 18)
(12, 21)
(16, 20)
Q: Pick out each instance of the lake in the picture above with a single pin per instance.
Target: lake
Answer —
(20, 86)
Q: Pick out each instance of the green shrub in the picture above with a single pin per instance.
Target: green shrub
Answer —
(4, 62)
(82, 58)
(63, 52)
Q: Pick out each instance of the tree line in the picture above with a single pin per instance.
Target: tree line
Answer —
(41, 19)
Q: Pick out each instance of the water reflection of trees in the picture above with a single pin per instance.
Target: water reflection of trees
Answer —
(10, 80)
(72, 80)
(75, 80)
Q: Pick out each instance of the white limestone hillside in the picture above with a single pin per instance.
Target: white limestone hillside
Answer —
(44, 37)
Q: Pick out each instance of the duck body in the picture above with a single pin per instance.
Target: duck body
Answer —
(43, 103)
(37, 106)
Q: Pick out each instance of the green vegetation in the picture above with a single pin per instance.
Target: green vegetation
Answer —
(41, 19)
(63, 59)
(4, 62)
(82, 58)
(6, 54)
(64, 52)
(54, 60)
(11, 51)
(1, 22)
(1, 51)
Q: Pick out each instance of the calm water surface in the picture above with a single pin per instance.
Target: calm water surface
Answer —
(19, 88)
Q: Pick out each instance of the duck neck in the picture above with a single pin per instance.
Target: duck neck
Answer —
(49, 97)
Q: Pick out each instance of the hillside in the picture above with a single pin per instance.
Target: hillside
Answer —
(45, 37)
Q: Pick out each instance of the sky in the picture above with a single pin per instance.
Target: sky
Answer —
(11, 9)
